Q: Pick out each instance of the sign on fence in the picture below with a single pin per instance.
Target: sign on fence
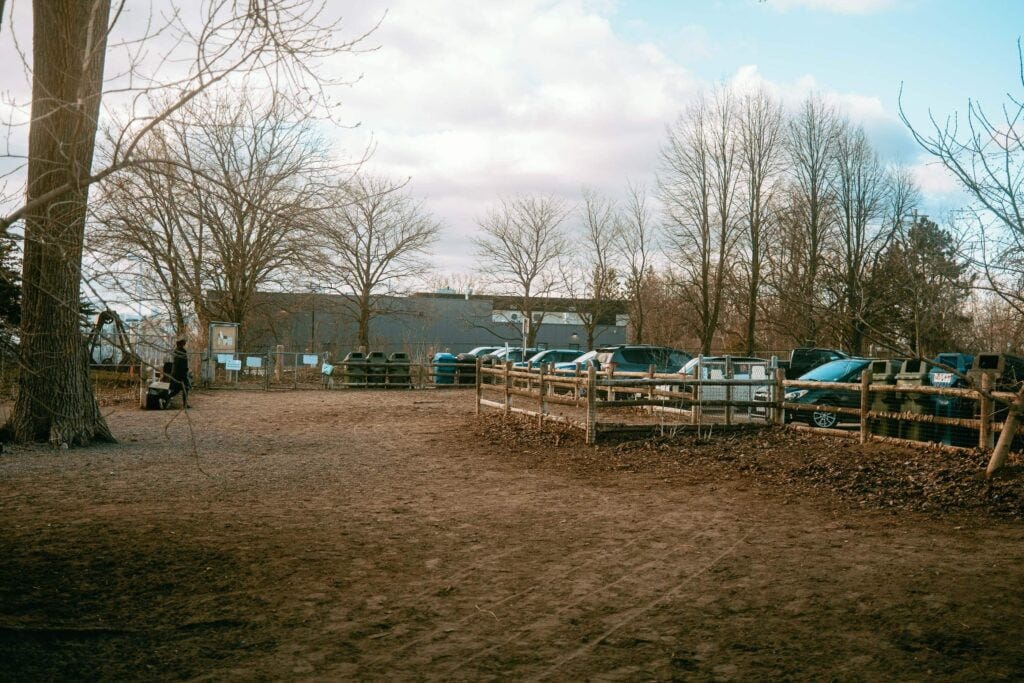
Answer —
(311, 359)
(224, 358)
(253, 362)
(233, 365)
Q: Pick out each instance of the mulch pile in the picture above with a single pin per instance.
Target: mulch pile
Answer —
(787, 462)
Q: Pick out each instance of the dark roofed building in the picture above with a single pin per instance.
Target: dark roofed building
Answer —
(421, 324)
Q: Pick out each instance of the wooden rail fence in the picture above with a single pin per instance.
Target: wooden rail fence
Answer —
(594, 393)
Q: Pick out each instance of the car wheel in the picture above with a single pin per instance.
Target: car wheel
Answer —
(824, 420)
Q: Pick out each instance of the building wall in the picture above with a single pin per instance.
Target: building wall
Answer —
(419, 326)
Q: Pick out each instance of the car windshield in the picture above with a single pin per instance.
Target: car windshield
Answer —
(585, 357)
(835, 371)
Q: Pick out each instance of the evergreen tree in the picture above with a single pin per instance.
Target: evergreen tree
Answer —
(922, 288)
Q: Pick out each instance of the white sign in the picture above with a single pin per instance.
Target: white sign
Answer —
(253, 362)
(327, 369)
(233, 365)
(311, 359)
(223, 358)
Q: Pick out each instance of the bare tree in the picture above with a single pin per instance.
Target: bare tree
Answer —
(810, 142)
(634, 250)
(698, 186)
(760, 132)
(278, 38)
(985, 153)
(519, 249)
(859, 185)
(374, 241)
(228, 213)
(589, 276)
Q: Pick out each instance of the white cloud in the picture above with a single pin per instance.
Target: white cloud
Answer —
(511, 97)
(839, 6)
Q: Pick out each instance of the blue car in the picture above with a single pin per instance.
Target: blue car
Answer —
(845, 370)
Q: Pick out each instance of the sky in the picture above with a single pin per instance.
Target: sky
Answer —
(473, 101)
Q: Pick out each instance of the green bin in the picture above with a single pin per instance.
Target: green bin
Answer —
(354, 369)
(399, 376)
(376, 368)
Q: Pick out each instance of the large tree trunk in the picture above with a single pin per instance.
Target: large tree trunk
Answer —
(55, 398)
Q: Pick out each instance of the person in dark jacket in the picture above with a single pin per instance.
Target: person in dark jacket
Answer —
(179, 375)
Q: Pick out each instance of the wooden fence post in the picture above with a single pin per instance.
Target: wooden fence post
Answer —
(479, 383)
(650, 391)
(780, 396)
(540, 386)
(610, 395)
(985, 413)
(865, 403)
(591, 408)
(508, 394)
(728, 390)
(1006, 436)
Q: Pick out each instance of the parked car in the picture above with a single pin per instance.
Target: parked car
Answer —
(629, 358)
(835, 372)
(510, 353)
(550, 356)
(482, 351)
(803, 360)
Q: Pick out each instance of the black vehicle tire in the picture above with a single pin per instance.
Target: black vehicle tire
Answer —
(824, 420)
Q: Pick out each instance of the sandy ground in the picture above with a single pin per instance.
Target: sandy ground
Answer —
(395, 536)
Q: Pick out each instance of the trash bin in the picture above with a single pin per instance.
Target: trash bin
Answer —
(884, 372)
(444, 368)
(914, 373)
(465, 370)
(398, 371)
(354, 367)
(952, 406)
(376, 368)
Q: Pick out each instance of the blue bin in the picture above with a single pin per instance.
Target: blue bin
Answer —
(444, 368)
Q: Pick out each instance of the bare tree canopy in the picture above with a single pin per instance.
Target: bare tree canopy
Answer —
(229, 212)
(759, 124)
(635, 246)
(589, 276)
(698, 183)
(521, 242)
(373, 243)
(985, 153)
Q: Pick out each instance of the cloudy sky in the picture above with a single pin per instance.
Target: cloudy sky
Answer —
(477, 99)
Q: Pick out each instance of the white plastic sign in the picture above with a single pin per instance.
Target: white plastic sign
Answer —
(311, 359)
(253, 362)
(233, 365)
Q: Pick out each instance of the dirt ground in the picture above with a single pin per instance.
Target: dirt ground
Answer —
(395, 536)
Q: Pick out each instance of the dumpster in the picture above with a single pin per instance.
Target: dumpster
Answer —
(952, 406)
(354, 369)
(884, 372)
(444, 368)
(376, 369)
(465, 370)
(914, 373)
(398, 373)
